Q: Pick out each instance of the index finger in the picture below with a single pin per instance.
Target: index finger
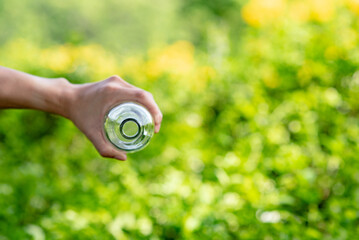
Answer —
(147, 100)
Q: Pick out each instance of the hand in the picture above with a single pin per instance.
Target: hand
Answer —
(88, 104)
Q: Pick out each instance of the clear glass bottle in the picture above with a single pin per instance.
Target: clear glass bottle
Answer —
(129, 126)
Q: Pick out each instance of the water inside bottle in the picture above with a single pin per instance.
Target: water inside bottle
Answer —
(129, 126)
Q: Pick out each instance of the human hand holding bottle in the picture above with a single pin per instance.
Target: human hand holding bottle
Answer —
(84, 104)
(93, 101)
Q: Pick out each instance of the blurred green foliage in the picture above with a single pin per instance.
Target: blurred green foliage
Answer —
(260, 137)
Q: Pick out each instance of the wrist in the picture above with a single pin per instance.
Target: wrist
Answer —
(66, 94)
(53, 95)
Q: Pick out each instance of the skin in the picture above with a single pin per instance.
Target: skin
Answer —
(84, 104)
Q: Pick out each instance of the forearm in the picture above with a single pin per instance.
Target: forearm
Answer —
(84, 104)
(21, 90)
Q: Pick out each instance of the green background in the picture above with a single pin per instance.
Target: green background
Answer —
(260, 136)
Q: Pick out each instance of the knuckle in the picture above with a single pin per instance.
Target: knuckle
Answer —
(149, 94)
(141, 94)
(61, 79)
(111, 87)
(114, 78)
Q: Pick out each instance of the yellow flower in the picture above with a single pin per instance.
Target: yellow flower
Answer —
(353, 5)
(260, 12)
(100, 63)
(322, 10)
(20, 53)
(178, 62)
(299, 11)
(135, 67)
(57, 59)
(176, 59)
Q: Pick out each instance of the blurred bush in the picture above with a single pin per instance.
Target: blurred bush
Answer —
(260, 138)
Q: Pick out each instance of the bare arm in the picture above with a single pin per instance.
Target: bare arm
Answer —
(84, 104)
(21, 90)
